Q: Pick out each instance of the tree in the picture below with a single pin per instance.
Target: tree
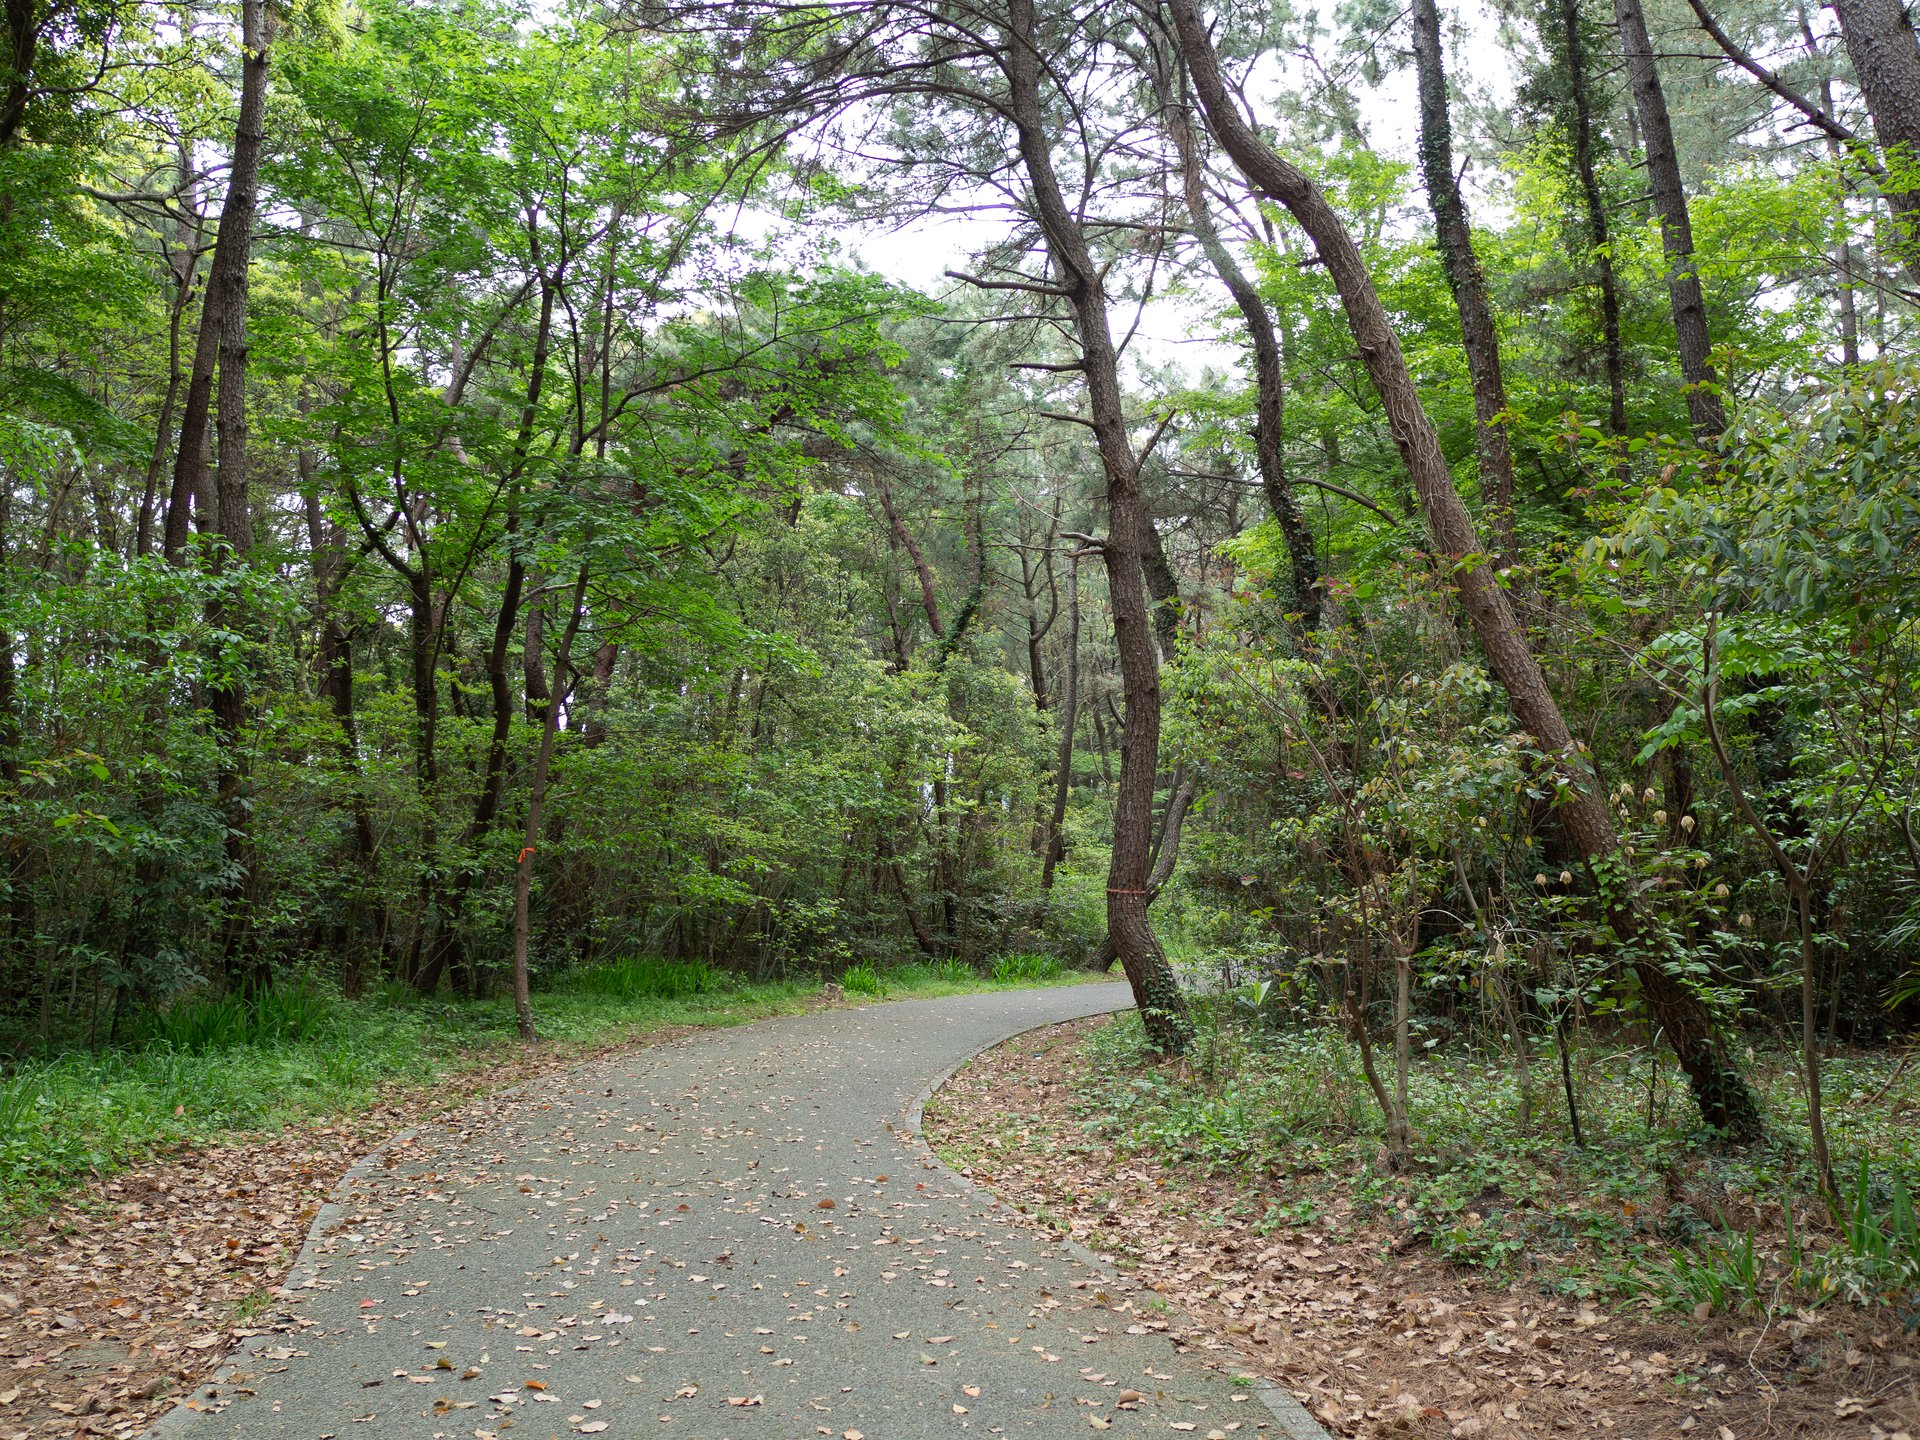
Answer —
(1455, 238)
(1721, 1093)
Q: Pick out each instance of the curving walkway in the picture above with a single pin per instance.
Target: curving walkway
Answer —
(735, 1235)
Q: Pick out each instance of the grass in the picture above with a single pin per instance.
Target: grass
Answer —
(211, 1068)
(1648, 1209)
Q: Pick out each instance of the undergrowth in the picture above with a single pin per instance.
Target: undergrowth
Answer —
(1649, 1208)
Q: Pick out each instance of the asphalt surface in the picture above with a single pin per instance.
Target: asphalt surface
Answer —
(735, 1235)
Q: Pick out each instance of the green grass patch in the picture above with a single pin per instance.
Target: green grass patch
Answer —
(1650, 1207)
(1026, 970)
(641, 977)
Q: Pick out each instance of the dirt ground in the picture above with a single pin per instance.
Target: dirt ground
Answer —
(1380, 1340)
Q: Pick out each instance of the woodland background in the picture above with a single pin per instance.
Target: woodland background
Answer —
(471, 525)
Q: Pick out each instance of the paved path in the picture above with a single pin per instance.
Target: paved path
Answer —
(729, 1237)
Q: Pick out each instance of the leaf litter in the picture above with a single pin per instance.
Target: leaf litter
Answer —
(1376, 1342)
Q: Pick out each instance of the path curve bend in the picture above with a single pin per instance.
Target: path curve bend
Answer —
(733, 1236)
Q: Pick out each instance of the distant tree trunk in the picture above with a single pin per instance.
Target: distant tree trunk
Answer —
(451, 893)
(185, 267)
(1465, 278)
(1166, 844)
(929, 596)
(1886, 60)
(333, 679)
(533, 659)
(223, 320)
(1695, 344)
(1269, 372)
(1037, 628)
(536, 803)
(1067, 718)
(1156, 992)
(1723, 1096)
(234, 519)
(1163, 589)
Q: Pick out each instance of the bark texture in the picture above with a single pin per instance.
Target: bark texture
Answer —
(1465, 279)
(1886, 61)
(1695, 344)
(1162, 1009)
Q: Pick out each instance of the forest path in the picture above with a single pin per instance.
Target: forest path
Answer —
(735, 1235)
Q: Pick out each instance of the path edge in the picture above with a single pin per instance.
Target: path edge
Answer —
(1293, 1418)
(184, 1415)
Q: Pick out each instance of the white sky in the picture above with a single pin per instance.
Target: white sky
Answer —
(1174, 331)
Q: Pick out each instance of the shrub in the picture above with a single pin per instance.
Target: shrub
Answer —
(642, 977)
(1025, 969)
(863, 979)
(279, 1014)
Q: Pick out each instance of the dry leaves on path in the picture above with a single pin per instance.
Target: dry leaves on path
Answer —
(1382, 1343)
(136, 1291)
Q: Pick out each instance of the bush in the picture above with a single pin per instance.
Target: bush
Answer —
(863, 979)
(640, 977)
(280, 1014)
(1026, 969)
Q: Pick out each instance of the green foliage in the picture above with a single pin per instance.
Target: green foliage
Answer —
(289, 1013)
(1493, 1191)
(643, 977)
(1026, 969)
(862, 978)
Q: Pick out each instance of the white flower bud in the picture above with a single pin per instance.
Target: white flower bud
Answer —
(1746, 921)
(1540, 879)
(1686, 823)
(1659, 817)
(1566, 877)
(1721, 891)
(1647, 795)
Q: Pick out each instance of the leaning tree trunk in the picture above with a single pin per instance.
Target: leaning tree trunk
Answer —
(1886, 61)
(1269, 374)
(1695, 344)
(1718, 1088)
(1162, 1009)
(1465, 278)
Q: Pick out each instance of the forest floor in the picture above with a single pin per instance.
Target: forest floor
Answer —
(120, 1289)
(1376, 1334)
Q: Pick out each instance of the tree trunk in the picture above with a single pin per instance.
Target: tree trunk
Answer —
(1162, 1009)
(536, 803)
(333, 680)
(185, 266)
(222, 339)
(1269, 372)
(1708, 415)
(1886, 61)
(1464, 277)
(234, 514)
(1163, 589)
(1067, 718)
(1723, 1096)
(1599, 228)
